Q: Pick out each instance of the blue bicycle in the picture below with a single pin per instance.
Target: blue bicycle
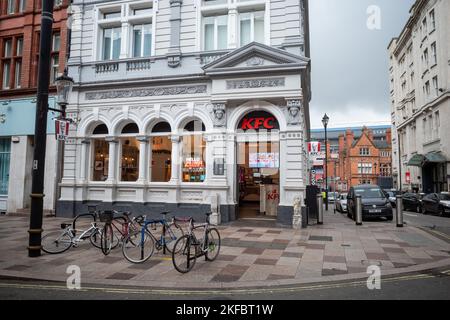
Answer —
(139, 246)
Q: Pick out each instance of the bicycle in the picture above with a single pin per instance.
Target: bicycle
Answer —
(57, 242)
(188, 248)
(123, 224)
(138, 247)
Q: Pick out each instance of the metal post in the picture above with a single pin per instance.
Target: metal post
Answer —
(319, 209)
(40, 131)
(358, 218)
(399, 211)
(326, 170)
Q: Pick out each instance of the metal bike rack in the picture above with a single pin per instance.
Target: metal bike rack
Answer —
(358, 217)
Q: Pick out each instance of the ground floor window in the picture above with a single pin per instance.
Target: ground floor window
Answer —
(194, 152)
(101, 160)
(161, 153)
(129, 164)
(5, 154)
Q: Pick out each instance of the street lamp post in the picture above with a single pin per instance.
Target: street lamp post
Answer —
(40, 131)
(325, 120)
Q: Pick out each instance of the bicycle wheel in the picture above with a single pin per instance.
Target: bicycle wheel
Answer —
(184, 254)
(107, 238)
(95, 238)
(213, 244)
(138, 247)
(56, 241)
(173, 233)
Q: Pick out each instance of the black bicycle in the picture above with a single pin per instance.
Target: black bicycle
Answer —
(188, 248)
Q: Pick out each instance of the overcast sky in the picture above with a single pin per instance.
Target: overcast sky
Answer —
(350, 80)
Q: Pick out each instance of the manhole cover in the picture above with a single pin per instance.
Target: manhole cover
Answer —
(320, 238)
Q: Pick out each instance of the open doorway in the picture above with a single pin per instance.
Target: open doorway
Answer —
(258, 179)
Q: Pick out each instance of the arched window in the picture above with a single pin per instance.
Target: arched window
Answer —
(100, 147)
(129, 160)
(194, 152)
(161, 153)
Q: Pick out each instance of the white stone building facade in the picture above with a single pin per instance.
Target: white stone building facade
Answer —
(176, 101)
(420, 99)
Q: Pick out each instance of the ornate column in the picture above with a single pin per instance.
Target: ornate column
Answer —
(174, 55)
(113, 158)
(232, 27)
(176, 159)
(143, 165)
(84, 158)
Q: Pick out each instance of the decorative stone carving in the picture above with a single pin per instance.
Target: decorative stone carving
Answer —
(294, 107)
(255, 61)
(174, 61)
(160, 91)
(218, 113)
(255, 83)
(297, 218)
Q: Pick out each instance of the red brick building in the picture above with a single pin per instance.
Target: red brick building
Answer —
(19, 55)
(362, 160)
(19, 45)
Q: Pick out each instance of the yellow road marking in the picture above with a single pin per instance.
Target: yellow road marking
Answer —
(215, 292)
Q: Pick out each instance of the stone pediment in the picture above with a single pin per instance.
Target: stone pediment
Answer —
(255, 57)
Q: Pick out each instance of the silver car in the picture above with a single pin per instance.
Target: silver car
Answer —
(341, 204)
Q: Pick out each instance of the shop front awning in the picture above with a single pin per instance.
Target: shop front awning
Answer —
(435, 157)
(416, 160)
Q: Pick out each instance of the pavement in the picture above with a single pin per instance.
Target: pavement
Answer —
(252, 256)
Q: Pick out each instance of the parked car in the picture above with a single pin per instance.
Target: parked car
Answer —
(332, 196)
(392, 196)
(436, 203)
(341, 204)
(412, 202)
(374, 202)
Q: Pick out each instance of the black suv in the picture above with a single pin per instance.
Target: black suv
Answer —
(375, 204)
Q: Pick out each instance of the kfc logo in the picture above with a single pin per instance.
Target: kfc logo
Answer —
(313, 147)
(259, 120)
(257, 123)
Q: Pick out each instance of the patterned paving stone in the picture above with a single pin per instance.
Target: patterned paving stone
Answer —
(18, 268)
(337, 259)
(377, 256)
(121, 276)
(287, 254)
(317, 246)
(226, 257)
(266, 262)
(256, 251)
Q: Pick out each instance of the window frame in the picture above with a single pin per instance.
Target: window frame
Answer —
(252, 26)
(127, 17)
(142, 49)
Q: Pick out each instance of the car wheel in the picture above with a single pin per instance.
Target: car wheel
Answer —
(442, 212)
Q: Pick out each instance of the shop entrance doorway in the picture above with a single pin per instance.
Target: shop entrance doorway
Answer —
(258, 167)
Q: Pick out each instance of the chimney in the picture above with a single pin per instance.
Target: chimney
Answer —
(341, 143)
(389, 136)
(370, 134)
(349, 138)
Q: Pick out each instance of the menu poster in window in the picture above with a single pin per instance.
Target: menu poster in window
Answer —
(264, 160)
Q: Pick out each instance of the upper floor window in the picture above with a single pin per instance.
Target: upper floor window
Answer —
(230, 24)
(424, 27)
(215, 32)
(56, 45)
(436, 86)
(433, 53)
(11, 63)
(432, 20)
(125, 31)
(251, 27)
(364, 151)
(112, 38)
(142, 40)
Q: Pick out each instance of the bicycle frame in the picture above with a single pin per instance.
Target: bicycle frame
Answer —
(166, 228)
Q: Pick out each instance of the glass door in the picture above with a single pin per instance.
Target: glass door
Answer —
(5, 154)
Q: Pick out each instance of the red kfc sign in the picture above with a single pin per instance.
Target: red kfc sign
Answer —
(258, 120)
